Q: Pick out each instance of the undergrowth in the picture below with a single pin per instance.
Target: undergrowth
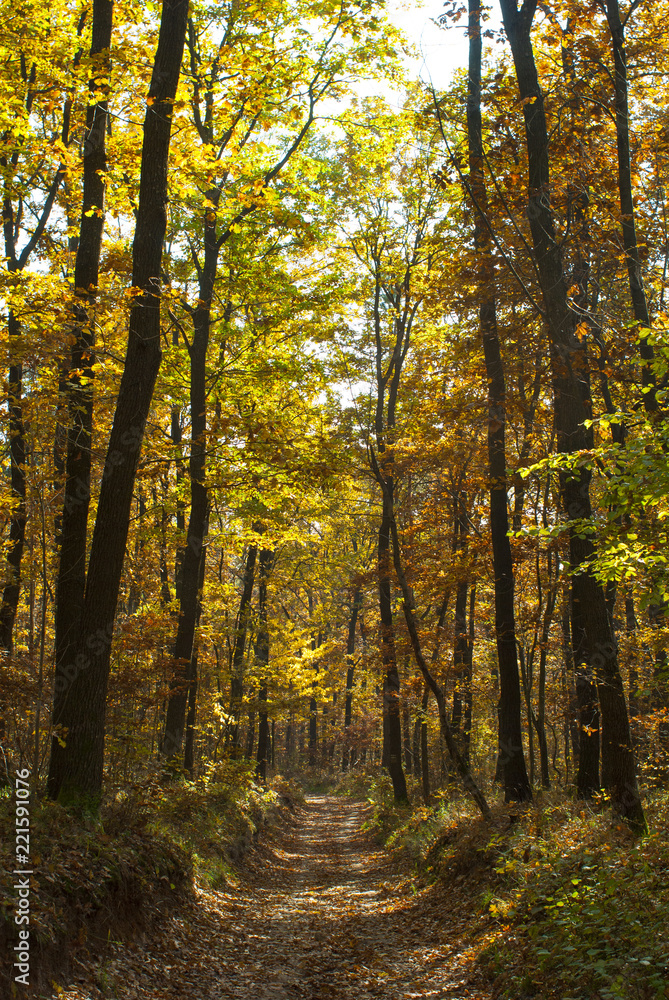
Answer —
(114, 874)
(566, 904)
(582, 908)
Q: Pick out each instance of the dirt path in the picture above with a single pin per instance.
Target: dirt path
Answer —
(322, 915)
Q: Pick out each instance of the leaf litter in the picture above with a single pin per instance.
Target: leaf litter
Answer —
(320, 913)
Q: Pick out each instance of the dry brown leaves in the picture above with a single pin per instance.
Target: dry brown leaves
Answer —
(321, 913)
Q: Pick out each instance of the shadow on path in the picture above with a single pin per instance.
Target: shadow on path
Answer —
(322, 913)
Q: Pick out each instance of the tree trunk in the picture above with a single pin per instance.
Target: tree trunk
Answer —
(76, 768)
(446, 732)
(627, 213)
(313, 732)
(251, 735)
(199, 506)
(350, 650)
(415, 743)
(631, 627)
(176, 435)
(527, 679)
(261, 653)
(406, 736)
(459, 660)
(540, 721)
(594, 640)
(511, 759)
(189, 747)
(391, 681)
(424, 758)
(71, 579)
(239, 645)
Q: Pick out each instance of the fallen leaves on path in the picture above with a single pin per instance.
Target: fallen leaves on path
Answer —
(322, 914)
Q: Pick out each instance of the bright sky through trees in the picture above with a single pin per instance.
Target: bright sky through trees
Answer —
(439, 51)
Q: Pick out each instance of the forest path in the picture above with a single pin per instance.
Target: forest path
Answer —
(322, 914)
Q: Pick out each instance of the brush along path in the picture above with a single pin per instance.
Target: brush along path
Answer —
(322, 914)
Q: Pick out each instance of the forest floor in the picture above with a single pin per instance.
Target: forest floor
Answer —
(319, 912)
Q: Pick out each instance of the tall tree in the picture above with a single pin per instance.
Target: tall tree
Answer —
(382, 458)
(350, 673)
(592, 633)
(80, 380)
(627, 212)
(75, 771)
(239, 643)
(512, 758)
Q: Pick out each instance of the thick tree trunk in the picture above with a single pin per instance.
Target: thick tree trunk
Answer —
(594, 640)
(391, 683)
(79, 384)
(587, 781)
(76, 768)
(511, 759)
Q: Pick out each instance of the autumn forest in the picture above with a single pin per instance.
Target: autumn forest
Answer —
(333, 462)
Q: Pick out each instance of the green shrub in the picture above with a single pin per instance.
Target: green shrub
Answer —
(584, 908)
